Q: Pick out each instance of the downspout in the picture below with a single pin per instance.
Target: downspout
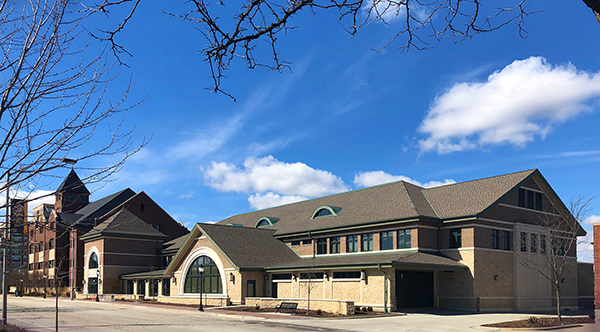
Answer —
(385, 292)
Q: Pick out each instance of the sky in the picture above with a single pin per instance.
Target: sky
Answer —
(346, 117)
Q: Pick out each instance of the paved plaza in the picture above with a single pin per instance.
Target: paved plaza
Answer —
(38, 314)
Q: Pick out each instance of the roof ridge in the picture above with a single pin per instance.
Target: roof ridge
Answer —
(481, 179)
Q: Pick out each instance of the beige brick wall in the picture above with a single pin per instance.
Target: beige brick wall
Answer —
(333, 306)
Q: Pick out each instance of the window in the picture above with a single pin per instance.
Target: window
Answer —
(141, 287)
(158, 227)
(543, 244)
(30, 266)
(352, 243)
(263, 222)
(166, 285)
(321, 246)
(521, 197)
(404, 238)
(529, 199)
(387, 240)
(32, 248)
(40, 265)
(211, 278)
(51, 244)
(455, 238)
(306, 242)
(367, 242)
(523, 241)
(41, 246)
(505, 240)
(533, 242)
(323, 213)
(51, 264)
(334, 245)
(346, 275)
(314, 275)
(494, 239)
(142, 207)
(93, 263)
(295, 243)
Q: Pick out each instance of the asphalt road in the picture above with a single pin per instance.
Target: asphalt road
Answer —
(37, 314)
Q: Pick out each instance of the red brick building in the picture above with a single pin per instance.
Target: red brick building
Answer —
(55, 249)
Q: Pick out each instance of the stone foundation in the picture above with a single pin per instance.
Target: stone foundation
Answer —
(212, 301)
(338, 307)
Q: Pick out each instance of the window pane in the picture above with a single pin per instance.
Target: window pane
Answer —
(529, 199)
(538, 201)
(387, 240)
(455, 238)
(352, 243)
(334, 245)
(367, 242)
(523, 241)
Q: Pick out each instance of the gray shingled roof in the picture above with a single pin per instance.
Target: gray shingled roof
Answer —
(393, 201)
(249, 248)
(72, 184)
(386, 202)
(472, 197)
(124, 223)
(174, 245)
(97, 209)
(410, 259)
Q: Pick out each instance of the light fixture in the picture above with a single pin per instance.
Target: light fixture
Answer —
(201, 269)
(293, 277)
(363, 275)
(69, 161)
(325, 276)
(267, 277)
(231, 277)
(97, 273)
(496, 277)
(562, 280)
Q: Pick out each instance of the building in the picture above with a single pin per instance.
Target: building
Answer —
(389, 247)
(16, 242)
(55, 249)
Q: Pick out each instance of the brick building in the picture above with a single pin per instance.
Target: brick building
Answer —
(394, 246)
(55, 249)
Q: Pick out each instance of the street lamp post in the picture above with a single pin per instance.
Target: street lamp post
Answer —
(45, 276)
(201, 270)
(22, 289)
(97, 285)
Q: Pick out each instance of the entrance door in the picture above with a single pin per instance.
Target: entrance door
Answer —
(93, 285)
(274, 289)
(251, 288)
(414, 289)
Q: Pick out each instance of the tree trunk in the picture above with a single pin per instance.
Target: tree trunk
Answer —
(558, 300)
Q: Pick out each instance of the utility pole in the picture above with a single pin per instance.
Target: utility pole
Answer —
(4, 254)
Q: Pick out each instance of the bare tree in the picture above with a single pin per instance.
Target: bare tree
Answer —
(557, 241)
(54, 84)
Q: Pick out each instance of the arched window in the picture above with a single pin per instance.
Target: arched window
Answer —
(324, 211)
(266, 221)
(51, 244)
(211, 276)
(93, 261)
(263, 222)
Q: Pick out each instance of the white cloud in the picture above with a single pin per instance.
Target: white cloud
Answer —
(260, 175)
(270, 199)
(585, 249)
(523, 100)
(187, 196)
(373, 178)
(591, 220)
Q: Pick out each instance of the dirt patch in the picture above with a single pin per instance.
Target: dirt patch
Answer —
(533, 321)
(302, 312)
(11, 328)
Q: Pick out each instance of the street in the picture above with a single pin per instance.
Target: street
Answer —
(38, 314)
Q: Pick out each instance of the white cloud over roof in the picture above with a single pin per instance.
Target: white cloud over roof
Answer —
(373, 178)
(514, 105)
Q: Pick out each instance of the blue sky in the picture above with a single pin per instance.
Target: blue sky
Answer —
(346, 117)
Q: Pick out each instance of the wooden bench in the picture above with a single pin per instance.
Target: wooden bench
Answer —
(286, 305)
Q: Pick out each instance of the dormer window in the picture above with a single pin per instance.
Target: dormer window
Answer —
(324, 211)
(265, 221)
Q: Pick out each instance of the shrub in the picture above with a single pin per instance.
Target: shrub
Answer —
(364, 309)
(532, 320)
(257, 307)
(319, 312)
(370, 309)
